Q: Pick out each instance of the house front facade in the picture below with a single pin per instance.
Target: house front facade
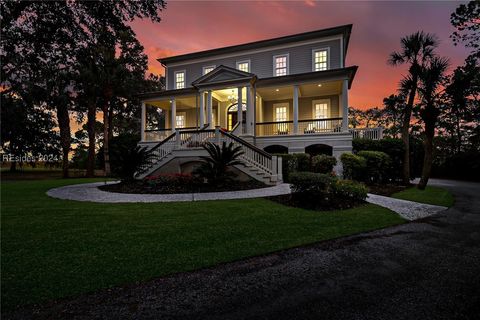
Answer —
(282, 95)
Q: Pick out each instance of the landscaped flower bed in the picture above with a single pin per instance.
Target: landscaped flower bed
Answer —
(179, 183)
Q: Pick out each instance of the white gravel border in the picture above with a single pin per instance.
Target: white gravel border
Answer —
(89, 192)
(409, 210)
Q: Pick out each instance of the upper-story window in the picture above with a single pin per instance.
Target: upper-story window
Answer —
(280, 65)
(320, 59)
(179, 79)
(243, 65)
(208, 69)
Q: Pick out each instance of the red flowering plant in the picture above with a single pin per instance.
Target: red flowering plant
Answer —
(172, 183)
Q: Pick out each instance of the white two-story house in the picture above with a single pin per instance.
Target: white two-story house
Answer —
(281, 95)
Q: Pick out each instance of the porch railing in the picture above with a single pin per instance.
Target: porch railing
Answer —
(367, 133)
(310, 126)
(274, 128)
(161, 134)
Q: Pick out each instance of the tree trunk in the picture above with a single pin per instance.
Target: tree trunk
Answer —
(110, 122)
(65, 138)
(106, 152)
(406, 130)
(428, 157)
(91, 140)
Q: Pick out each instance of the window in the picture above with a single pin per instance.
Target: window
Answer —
(320, 60)
(243, 65)
(280, 65)
(180, 120)
(208, 69)
(179, 79)
(320, 110)
(281, 113)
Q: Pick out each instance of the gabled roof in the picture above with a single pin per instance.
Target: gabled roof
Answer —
(344, 30)
(223, 74)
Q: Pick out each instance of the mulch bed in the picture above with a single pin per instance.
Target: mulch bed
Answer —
(386, 189)
(288, 200)
(141, 187)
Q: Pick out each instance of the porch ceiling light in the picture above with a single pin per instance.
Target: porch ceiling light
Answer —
(319, 85)
(277, 90)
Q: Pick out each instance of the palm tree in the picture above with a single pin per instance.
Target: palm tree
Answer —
(215, 165)
(417, 50)
(430, 80)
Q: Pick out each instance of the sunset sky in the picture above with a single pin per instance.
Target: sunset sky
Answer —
(189, 26)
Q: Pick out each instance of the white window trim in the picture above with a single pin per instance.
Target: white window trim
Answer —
(329, 107)
(184, 78)
(280, 105)
(179, 114)
(328, 57)
(205, 67)
(245, 61)
(274, 63)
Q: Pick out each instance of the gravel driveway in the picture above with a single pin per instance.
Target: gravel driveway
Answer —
(427, 269)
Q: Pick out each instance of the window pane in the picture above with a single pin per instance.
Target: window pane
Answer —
(207, 70)
(321, 110)
(280, 114)
(320, 60)
(180, 121)
(180, 80)
(244, 66)
(281, 66)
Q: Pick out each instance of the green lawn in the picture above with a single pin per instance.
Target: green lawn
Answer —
(431, 195)
(54, 248)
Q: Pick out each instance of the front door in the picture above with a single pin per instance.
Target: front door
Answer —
(232, 117)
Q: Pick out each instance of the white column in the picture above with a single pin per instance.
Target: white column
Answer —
(250, 111)
(209, 110)
(173, 108)
(239, 107)
(202, 109)
(144, 121)
(345, 105)
(295, 109)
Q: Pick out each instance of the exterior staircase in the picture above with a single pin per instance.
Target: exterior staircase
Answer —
(257, 163)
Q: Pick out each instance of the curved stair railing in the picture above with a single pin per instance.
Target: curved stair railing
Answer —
(252, 156)
(255, 156)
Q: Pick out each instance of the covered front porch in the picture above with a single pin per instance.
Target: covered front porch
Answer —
(309, 104)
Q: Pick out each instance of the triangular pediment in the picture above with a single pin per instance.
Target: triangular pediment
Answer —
(222, 74)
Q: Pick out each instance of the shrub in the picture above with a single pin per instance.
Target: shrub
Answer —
(351, 192)
(378, 165)
(127, 161)
(394, 148)
(324, 191)
(354, 166)
(215, 166)
(311, 190)
(172, 183)
(294, 162)
(323, 163)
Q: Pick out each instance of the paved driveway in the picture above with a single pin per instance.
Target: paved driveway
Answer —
(427, 269)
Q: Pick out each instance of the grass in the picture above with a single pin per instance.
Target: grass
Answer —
(55, 248)
(431, 195)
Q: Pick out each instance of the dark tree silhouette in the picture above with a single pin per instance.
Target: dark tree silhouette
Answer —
(431, 78)
(417, 50)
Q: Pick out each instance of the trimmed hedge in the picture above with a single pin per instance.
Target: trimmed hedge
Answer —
(294, 162)
(378, 166)
(354, 167)
(323, 163)
(324, 191)
(394, 148)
